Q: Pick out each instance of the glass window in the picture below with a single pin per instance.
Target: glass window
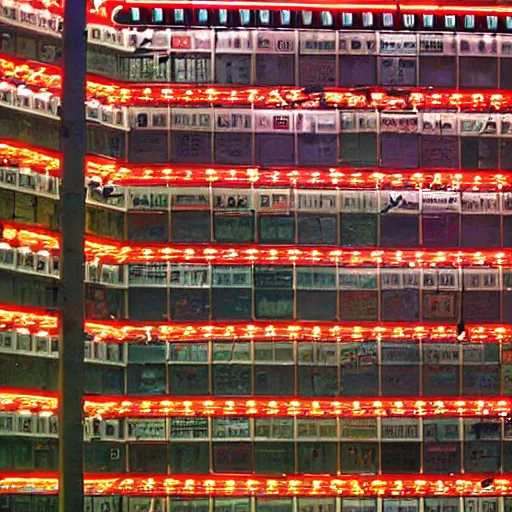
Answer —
(190, 457)
(146, 379)
(148, 227)
(286, 17)
(359, 373)
(104, 457)
(409, 20)
(316, 505)
(479, 429)
(274, 458)
(387, 20)
(307, 17)
(482, 456)
(148, 458)
(223, 16)
(400, 428)
(441, 504)
(147, 353)
(231, 379)
(441, 458)
(273, 428)
(367, 19)
(450, 21)
(319, 457)
(321, 354)
(401, 458)
(197, 505)
(469, 21)
(189, 428)
(360, 428)
(400, 505)
(347, 19)
(189, 379)
(148, 304)
(274, 505)
(188, 352)
(237, 351)
(358, 505)
(231, 427)
(316, 428)
(264, 17)
(359, 457)
(158, 15)
(232, 457)
(245, 16)
(492, 22)
(274, 380)
(231, 505)
(278, 352)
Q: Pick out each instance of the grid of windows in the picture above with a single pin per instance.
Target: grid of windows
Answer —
(262, 368)
(268, 445)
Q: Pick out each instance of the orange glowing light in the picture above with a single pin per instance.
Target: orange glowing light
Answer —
(106, 251)
(113, 331)
(125, 174)
(109, 407)
(110, 92)
(188, 485)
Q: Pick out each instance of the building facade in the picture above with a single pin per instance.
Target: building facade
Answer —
(299, 274)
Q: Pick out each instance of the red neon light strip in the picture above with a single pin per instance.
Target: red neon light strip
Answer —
(36, 321)
(126, 174)
(112, 252)
(190, 485)
(119, 93)
(106, 407)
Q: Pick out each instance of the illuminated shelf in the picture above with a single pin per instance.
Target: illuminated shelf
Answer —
(107, 407)
(111, 92)
(110, 252)
(191, 485)
(34, 321)
(125, 174)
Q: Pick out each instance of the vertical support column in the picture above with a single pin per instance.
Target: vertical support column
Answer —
(72, 204)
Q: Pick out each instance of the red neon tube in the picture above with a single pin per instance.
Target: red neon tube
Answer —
(106, 407)
(112, 252)
(228, 485)
(34, 321)
(125, 94)
(126, 174)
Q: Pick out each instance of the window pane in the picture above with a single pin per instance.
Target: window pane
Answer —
(318, 457)
(190, 226)
(148, 458)
(276, 229)
(274, 380)
(148, 304)
(189, 457)
(233, 228)
(232, 457)
(401, 457)
(188, 380)
(359, 457)
(231, 379)
(358, 305)
(274, 458)
(104, 457)
(146, 379)
(148, 227)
